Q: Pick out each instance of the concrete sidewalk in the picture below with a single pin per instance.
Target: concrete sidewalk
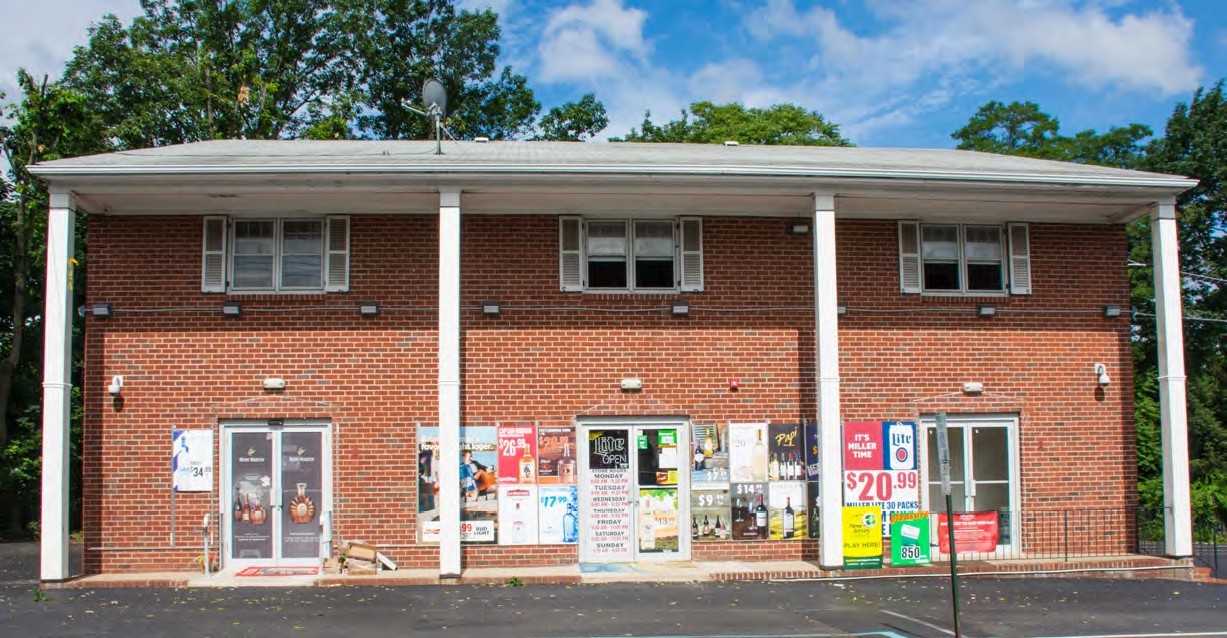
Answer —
(671, 572)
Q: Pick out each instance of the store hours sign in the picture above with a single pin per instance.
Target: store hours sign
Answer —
(880, 466)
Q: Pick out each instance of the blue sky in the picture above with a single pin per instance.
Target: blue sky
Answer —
(890, 72)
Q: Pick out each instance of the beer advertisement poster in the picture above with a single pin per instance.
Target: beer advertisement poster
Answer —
(751, 518)
(862, 537)
(478, 483)
(556, 454)
(748, 452)
(909, 539)
(710, 515)
(785, 461)
(709, 456)
(517, 515)
(558, 514)
(517, 454)
(786, 508)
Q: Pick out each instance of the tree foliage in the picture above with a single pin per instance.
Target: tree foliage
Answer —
(715, 123)
(574, 121)
(1021, 128)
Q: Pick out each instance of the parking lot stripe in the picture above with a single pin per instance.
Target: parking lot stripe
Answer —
(919, 622)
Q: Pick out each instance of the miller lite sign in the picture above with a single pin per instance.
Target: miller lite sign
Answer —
(901, 445)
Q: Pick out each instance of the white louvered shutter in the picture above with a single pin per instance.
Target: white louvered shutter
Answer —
(336, 238)
(690, 254)
(571, 254)
(909, 257)
(213, 261)
(1020, 259)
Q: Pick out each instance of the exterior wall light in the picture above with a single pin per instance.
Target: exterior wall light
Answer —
(1111, 312)
(680, 308)
(491, 308)
(841, 308)
(232, 309)
(973, 387)
(798, 228)
(1102, 371)
(368, 308)
(632, 384)
(101, 310)
(273, 384)
(117, 384)
(986, 310)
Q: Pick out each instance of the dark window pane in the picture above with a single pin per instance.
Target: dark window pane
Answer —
(984, 277)
(653, 273)
(939, 276)
(607, 274)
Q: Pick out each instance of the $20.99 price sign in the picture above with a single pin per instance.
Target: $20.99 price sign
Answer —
(880, 466)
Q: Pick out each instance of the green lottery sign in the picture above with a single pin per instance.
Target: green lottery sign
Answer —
(909, 539)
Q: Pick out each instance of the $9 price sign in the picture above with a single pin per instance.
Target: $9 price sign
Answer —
(881, 486)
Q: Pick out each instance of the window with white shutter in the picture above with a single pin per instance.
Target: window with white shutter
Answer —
(690, 259)
(630, 255)
(213, 261)
(337, 275)
(571, 254)
(909, 257)
(1020, 259)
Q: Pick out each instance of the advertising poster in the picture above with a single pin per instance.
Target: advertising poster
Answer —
(479, 508)
(658, 521)
(751, 517)
(748, 452)
(668, 456)
(428, 484)
(815, 507)
(608, 502)
(557, 514)
(973, 532)
(909, 540)
(251, 467)
(191, 461)
(709, 456)
(786, 508)
(880, 467)
(302, 483)
(812, 435)
(517, 454)
(785, 459)
(556, 455)
(862, 537)
(710, 515)
(517, 514)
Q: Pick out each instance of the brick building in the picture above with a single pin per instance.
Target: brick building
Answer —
(336, 321)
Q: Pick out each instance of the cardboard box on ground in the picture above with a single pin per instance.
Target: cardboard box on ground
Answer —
(358, 558)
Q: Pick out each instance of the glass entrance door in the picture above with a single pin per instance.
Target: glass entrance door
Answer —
(981, 471)
(277, 494)
(634, 494)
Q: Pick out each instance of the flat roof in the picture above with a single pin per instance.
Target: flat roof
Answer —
(253, 157)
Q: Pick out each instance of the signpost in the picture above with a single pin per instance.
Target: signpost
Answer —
(943, 460)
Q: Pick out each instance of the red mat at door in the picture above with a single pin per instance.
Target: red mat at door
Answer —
(279, 571)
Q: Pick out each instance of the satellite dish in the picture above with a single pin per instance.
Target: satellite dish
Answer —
(434, 96)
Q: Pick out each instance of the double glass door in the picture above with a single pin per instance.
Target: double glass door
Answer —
(635, 493)
(981, 470)
(276, 495)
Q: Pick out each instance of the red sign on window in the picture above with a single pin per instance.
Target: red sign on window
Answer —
(973, 532)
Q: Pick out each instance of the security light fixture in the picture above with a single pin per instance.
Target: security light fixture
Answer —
(117, 384)
(680, 308)
(491, 308)
(1102, 377)
(986, 310)
(232, 309)
(973, 387)
(841, 308)
(368, 308)
(631, 384)
(1111, 312)
(101, 310)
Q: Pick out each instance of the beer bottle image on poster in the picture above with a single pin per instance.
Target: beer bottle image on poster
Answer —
(251, 467)
(301, 488)
(749, 522)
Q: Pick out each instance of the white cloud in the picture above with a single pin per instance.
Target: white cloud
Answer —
(584, 42)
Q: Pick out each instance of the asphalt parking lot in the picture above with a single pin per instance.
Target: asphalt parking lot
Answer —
(894, 608)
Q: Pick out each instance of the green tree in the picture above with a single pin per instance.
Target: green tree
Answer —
(784, 124)
(574, 121)
(1021, 128)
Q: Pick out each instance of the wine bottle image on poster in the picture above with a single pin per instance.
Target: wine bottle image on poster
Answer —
(711, 515)
(556, 455)
(658, 521)
(786, 504)
(751, 520)
(815, 509)
(709, 456)
(786, 459)
(748, 452)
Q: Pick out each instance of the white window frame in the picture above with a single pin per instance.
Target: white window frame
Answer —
(328, 253)
(680, 255)
(1004, 263)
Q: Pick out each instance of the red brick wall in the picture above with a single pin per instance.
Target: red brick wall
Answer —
(375, 378)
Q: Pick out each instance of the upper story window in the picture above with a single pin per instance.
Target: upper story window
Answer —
(971, 259)
(276, 255)
(631, 255)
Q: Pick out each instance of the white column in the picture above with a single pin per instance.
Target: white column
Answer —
(1178, 517)
(57, 386)
(826, 329)
(449, 382)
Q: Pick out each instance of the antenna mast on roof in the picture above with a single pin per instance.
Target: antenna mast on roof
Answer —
(434, 98)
